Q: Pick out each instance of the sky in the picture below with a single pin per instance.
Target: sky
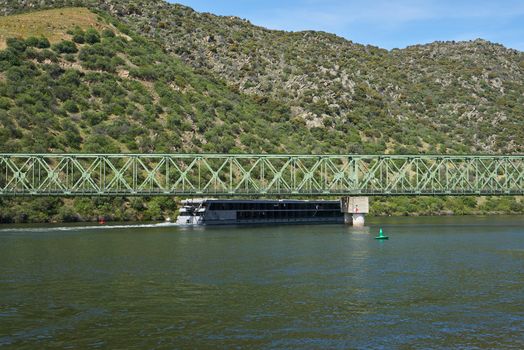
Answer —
(387, 24)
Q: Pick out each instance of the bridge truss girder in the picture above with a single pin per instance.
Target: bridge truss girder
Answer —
(258, 175)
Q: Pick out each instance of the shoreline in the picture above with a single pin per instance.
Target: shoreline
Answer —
(108, 222)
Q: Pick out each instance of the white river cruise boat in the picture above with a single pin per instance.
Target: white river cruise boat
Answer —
(240, 212)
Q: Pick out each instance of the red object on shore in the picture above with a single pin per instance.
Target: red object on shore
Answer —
(101, 221)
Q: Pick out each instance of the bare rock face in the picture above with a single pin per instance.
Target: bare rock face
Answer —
(472, 92)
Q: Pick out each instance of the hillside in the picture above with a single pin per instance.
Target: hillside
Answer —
(466, 94)
(463, 96)
(76, 80)
(111, 92)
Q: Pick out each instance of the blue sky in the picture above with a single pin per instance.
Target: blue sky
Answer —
(387, 24)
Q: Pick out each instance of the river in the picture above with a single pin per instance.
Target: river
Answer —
(445, 282)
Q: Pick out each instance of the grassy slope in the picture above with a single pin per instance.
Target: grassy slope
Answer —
(53, 24)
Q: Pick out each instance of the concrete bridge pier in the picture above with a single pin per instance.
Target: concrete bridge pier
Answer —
(354, 209)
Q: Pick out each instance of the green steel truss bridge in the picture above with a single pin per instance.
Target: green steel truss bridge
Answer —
(259, 175)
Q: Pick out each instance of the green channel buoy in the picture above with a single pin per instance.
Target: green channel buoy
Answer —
(381, 235)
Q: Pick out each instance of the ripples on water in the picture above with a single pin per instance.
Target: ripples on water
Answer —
(75, 228)
(438, 283)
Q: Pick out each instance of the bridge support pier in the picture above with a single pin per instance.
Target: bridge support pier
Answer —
(354, 209)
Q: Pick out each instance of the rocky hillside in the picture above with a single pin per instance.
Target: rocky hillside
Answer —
(463, 96)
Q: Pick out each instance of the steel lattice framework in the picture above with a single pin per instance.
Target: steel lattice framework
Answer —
(258, 175)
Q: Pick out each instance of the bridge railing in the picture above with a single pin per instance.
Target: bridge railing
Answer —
(258, 175)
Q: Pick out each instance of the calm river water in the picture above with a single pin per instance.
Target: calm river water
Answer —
(437, 283)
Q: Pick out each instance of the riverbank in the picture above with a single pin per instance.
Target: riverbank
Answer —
(57, 210)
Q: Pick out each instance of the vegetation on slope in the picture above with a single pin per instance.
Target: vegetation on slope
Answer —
(100, 87)
(463, 96)
(103, 92)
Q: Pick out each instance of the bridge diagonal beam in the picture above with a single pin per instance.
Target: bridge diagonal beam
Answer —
(308, 181)
(215, 179)
(183, 179)
(459, 176)
(400, 177)
(246, 176)
(53, 175)
(86, 176)
(432, 174)
(490, 169)
(278, 179)
(15, 176)
(117, 176)
(151, 176)
(370, 180)
(339, 175)
(515, 175)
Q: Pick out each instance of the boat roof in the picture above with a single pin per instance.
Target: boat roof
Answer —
(214, 200)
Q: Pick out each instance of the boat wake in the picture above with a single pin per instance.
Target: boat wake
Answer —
(87, 227)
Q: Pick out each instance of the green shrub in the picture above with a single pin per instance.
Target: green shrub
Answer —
(99, 57)
(71, 106)
(67, 214)
(43, 43)
(79, 38)
(108, 33)
(65, 46)
(91, 36)
(144, 73)
(16, 44)
(100, 144)
(8, 59)
(32, 41)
